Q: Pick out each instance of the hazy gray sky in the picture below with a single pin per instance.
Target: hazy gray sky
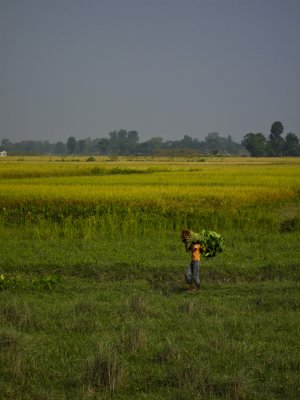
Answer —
(165, 68)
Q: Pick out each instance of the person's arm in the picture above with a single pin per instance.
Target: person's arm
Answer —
(195, 246)
(192, 248)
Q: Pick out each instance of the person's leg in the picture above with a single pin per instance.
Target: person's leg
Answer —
(188, 275)
(195, 273)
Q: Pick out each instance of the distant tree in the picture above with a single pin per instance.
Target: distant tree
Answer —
(150, 146)
(156, 141)
(103, 146)
(276, 142)
(187, 142)
(213, 142)
(82, 146)
(6, 144)
(276, 129)
(133, 141)
(292, 146)
(113, 142)
(60, 148)
(213, 139)
(231, 146)
(91, 145)
(30, 147)
(72, 145)
(123, 141)
(255, 143)
(47, 147)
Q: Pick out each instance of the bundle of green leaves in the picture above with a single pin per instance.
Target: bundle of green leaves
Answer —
(211, 242)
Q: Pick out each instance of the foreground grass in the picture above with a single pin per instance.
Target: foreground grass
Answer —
(134, 339)
(121, 325)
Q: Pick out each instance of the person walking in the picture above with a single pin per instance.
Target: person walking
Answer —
(192, 275)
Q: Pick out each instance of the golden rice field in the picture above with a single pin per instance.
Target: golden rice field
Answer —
(150, 198)
(229, 182)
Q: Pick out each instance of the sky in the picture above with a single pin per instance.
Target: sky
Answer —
(165, 68)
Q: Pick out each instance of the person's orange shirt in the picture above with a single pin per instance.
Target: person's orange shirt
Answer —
(195, 249)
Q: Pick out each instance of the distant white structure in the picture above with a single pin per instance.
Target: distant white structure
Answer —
(3, 153)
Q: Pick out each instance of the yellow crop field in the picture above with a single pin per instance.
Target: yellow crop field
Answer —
(150, 195)
(209, 185)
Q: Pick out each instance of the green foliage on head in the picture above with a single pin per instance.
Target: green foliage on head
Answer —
(210, 241)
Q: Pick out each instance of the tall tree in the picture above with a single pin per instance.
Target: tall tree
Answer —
(113, 142)
(276, 129)
(187, 142)
(103, 146)
(255, 143)
(133, 141)
(123, 141)
(82, 146)
(292, 146)
(213, 142)
(71, 145)
(276, 142)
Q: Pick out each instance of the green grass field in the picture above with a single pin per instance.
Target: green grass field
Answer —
(92, 292)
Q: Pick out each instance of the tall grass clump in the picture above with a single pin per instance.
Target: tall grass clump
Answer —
(103, 371)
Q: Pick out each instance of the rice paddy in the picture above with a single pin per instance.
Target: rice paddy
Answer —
(200, 189)
(93, 300)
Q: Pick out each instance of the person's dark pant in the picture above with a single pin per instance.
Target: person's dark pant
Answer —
(192, 273)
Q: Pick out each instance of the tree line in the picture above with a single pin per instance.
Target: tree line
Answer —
(125, 142)
(274, 145)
